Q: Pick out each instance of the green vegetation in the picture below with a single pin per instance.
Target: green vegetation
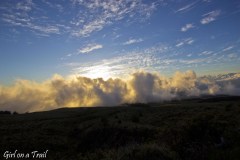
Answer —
(196, 129)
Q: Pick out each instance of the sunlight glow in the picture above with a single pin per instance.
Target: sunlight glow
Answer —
(99, 71)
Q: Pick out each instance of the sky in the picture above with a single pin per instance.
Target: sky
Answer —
(53, 51)
(106, 38)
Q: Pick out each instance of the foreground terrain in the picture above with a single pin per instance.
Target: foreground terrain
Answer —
(195, 129)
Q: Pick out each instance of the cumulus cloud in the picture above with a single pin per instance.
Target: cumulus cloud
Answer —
(142, 86)
(90, 47)
(210, 17)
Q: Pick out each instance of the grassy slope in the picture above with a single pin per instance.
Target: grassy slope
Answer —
(193, 129)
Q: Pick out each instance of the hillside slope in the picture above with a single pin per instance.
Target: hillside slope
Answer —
(196, 129)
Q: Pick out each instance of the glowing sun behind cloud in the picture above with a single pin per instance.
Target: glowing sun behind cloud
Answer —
(98, 71)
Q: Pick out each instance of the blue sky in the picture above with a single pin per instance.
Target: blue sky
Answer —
(98, 38)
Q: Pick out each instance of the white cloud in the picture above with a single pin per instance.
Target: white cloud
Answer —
(179, 44)
(141, 86)
(193, 61)
(187, 7)
(233, 55)
(45, 29)
(91, 16)
(132, 41)
(25, 5)
(187, 27)
(207, 1)
(182, 42)
(90, 48)
(25, 22)
(156, 58)
(104, 13)
(59, 7)
(18, 15)
(228, 48)
(90, 27)
(210, 17)
(205, 53)
(138, 59)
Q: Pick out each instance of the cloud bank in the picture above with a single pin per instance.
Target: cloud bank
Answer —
(29, 96)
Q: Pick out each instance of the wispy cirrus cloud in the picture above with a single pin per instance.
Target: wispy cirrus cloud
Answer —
(187, 27)
(132, 41)
(182, 42)
(90, 48)
(205, 53)
(159, 57)
(20, 14)
(107, 12)
(116, 66)
(93, 26)
(25, 5)
(210, 17)
(228, 48)
(233, 55)
(27, 23)
(57, 6)
(187, 7)
(91, 16)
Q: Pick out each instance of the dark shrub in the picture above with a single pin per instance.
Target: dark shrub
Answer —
(228, 107)
(140, 105)
(135, 118)
(14, 113)
(147, 152)
(104, 121)
(119, 121)
(5, 112)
